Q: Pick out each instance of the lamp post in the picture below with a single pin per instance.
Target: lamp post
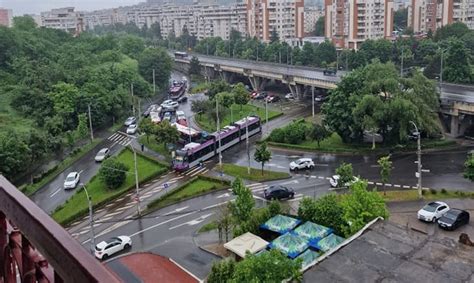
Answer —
(136, 177)
(91, 219)
(247, 143)
(418, 152)
(218, 132)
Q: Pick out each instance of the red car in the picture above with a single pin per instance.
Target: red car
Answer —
(253, 94)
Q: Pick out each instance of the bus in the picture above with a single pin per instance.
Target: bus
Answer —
(190, 156)
(180, 55)
(187, 134)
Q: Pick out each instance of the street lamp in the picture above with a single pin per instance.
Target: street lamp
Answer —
(91, 218)
(418, 152)
(218, 132)
(247, 143)
(136, 181)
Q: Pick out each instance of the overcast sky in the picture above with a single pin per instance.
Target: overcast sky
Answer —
(21, 7)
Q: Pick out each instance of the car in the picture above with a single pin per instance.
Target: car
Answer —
(261, 95)
(182, 99)
(167, 116)
(168, 101)
(453, 219)
(72, 180)
(278, 192)
(132, 129)
(130, 121)
(334, 181)
(105, 249)
(173, 105)
(180, 115)
(102, 154)
(253, 94)
(320, 98)
(302, 163)
(272, 98)
(432, 211)
(155, 117)
(290, 96)
(150, 109)
(330, 72)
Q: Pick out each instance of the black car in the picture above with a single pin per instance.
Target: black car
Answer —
(453, 219)
(278, 192)
(151, 108)
(261, 95)
(182, 99)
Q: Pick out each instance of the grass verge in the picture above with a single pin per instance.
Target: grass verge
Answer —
(153, 145)
(195, 187)
(209, 124)
(63, 165)
(255, 174)
(208, 227)
(77, 206)
(407, 195)
(199, 88)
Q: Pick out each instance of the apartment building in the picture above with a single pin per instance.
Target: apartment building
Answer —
(311, 16)
(65, 19)
(6, 17)
(284, 16)
(350, 22)
(425, 15)
(105, 17)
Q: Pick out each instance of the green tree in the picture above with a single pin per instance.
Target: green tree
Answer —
(155, 30)
(361, 207)
(346, 174)
(457, 68)
(400, 19)
(155, 59)
(456, 29)
(64, 97)
(222, 271)
(147, 127)
(165, 133)
(319, 27)
(319, 133)
(14, 154)
(324, 53)
(271, 266)
(194, 66)
(241, 95)
(262, 154)
(385, 169)
(113, 173)
(469, 168)
(216, 87)
(25, 23)
(274, 36)
(326, 211)
(82, 129)
(244, 203)
(201, 106)
(132, 45)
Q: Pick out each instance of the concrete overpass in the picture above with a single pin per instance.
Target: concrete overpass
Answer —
(457, 101)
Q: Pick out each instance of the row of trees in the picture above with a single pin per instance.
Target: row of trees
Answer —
(48, 79)
(299, 131)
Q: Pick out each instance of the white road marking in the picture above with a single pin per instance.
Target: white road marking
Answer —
(290, 182)
(106, 218)
(379, 184)
(388, 185)
(260, 198)
(321, 177)
(161, 223)
(223, 195)
(193, 222)
(111, 228)
(253, 185)
(322, 165)
(177, 178)
(202, 171)
(370, 183)
(216, 205)
(176, 210)
(53, 194)
(397, 186)
(192, 170)
(114, 213)
(406, 187)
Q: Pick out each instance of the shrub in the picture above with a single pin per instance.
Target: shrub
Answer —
(113, 173)
(433, 191)
(423, 192)
(443, 191)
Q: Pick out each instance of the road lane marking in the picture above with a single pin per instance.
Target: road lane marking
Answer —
(290, 182)
(321, 164)
(53, 194)
(378, 184)
(177, 178)
(253, 185)
(406, 187)
(202, 171)
(114, 213)
(193, 222)
(321, 177)
(397, 186)
(161, 223)
(176, 210)
(223, 195)
(108, 230)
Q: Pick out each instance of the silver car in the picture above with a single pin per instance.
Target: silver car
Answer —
(102, 154)
(130, 121)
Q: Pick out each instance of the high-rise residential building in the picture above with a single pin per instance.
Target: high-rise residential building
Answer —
(284, 16)
(6, 17)
(311, 16)
(65, 19)
(106, 17)
(425, 15)
(350, 22)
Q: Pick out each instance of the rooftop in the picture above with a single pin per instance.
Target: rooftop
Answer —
(389, 252)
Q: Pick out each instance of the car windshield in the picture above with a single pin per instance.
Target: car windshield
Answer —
(431, 207)
(114, 239)
(451, 215)
(70, 178)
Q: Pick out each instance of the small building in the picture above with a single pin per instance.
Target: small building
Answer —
(244, 243)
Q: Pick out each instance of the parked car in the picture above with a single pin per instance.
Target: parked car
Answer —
(278, 192)
(334, 181)
(302, 163)
(130, 121)
(167, 116)
(71, 181)
(432, 211)
(320, 98)
(453, 219)
(182, 99)
(272, 98)
(290, 96)
(180, 115)
(150, 109)
(253, 94)
(261, 95)
(105, 249)
(132, 129)
(102, 154)
(155, 117)
(172, 105)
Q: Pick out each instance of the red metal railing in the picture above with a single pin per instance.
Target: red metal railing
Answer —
(34, 248)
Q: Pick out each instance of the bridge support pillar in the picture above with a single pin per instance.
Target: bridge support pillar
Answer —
(454, 131)
(253, 83)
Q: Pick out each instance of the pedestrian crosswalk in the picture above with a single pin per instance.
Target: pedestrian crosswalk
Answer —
(120, 139)
(195, 171)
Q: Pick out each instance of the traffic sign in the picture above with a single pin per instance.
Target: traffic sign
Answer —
(136, 198)
(166, 185)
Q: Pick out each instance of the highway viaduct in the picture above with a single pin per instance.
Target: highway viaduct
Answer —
(457, 101)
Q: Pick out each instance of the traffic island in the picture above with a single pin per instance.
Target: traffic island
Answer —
(255, 174)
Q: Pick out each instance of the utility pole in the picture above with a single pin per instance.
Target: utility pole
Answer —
(279, 54)
(90, 122)
(136, 181)
(133, 102)
(418, 153)
(91, 219)
(337, 62)
(218, 131)
(401, 66)
(247, 143)
(312, 98)
(266, 114)
(257, 51)
(154, 83)
(139, 109)
(441, 72)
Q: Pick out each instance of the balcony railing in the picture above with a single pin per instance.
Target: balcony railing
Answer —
(34, 248)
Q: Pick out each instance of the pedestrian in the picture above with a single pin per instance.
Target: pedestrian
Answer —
(143, 147)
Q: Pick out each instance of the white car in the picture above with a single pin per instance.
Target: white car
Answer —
(180, 115)
(105, 249)
(334, 181)
(167, 116)
(302, 163)
(102, 154)
(290, 96)
(130, 121)
(71, 181)
(132, 129)
(170, 104)
(432, 211)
